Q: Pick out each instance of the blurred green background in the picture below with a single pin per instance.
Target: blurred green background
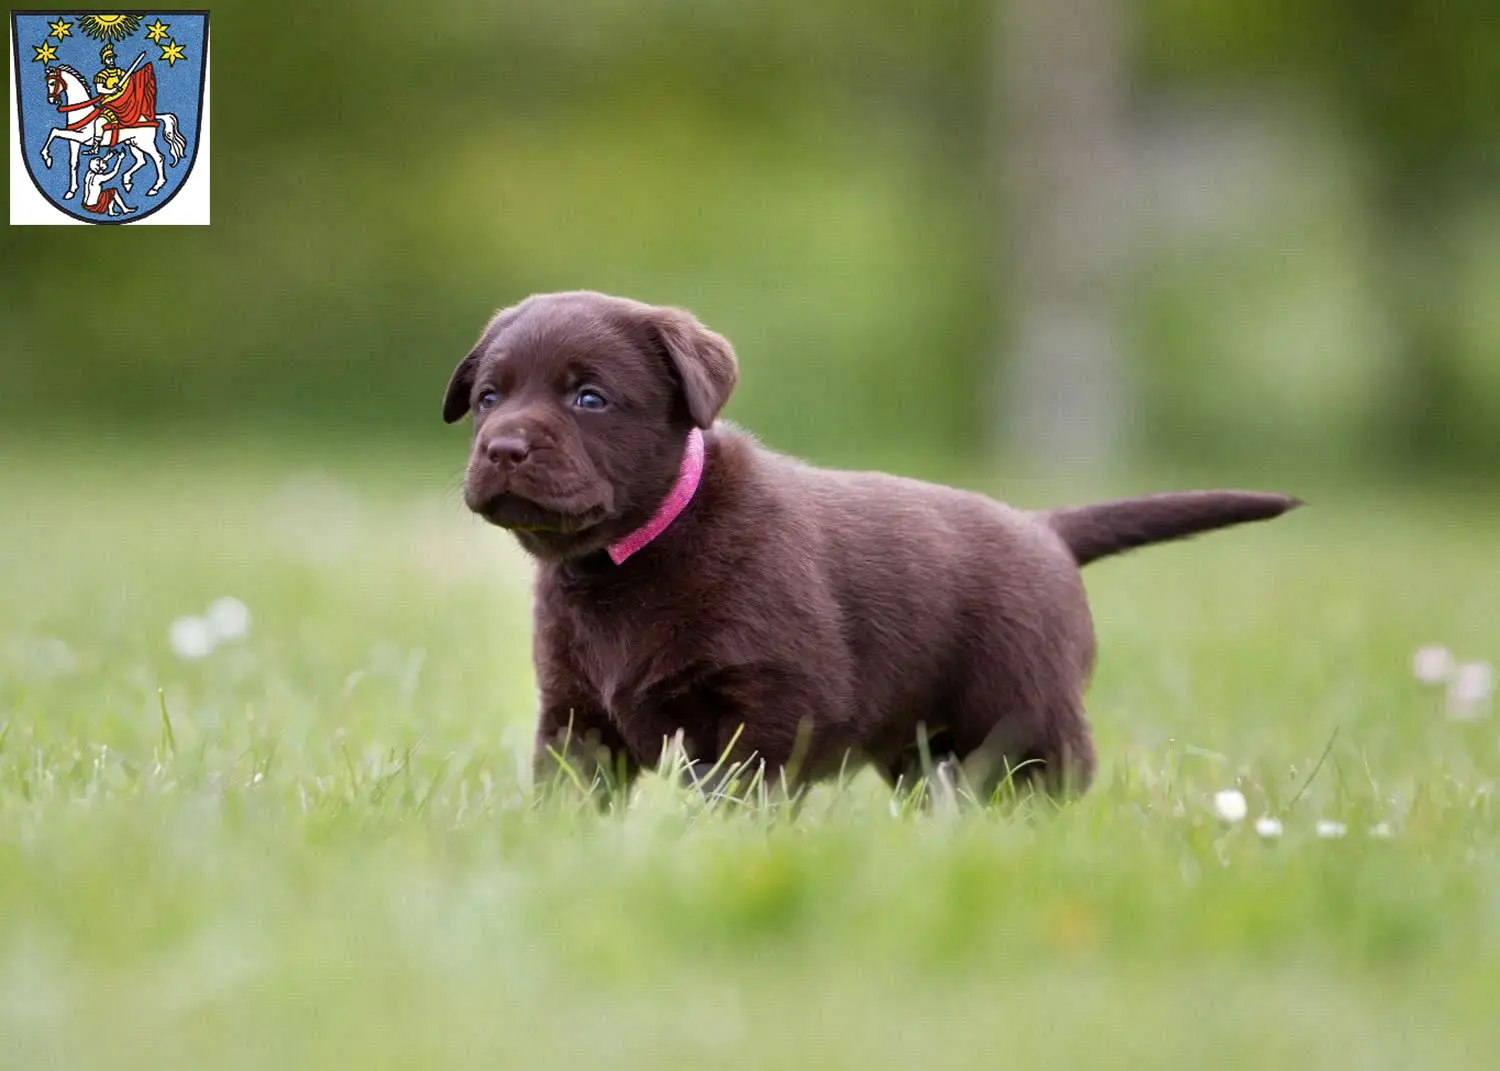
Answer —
(1080, 233)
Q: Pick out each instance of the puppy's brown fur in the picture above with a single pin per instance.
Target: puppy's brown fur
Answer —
(805, 616)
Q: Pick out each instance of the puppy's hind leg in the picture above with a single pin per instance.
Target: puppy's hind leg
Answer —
(929, 763)
(1043, 745)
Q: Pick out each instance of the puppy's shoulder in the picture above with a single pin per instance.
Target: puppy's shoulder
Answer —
(754, 475)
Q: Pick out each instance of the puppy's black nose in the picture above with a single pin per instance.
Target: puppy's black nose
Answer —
(506, 448)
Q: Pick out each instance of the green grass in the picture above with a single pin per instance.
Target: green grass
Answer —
(322, 855)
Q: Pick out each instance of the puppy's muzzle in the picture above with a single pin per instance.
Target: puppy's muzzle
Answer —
(506, 451)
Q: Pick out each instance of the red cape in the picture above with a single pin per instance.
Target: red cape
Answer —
(137, 105)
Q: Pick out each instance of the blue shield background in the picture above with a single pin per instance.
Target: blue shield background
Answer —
(179, 90)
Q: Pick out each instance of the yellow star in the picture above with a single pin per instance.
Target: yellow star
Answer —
(172, 52)
(157, 30)
(60, 29)
(44, 52)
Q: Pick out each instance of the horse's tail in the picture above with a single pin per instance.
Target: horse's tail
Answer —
(175, 141)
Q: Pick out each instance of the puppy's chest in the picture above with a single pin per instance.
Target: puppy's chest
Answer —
(630, 648)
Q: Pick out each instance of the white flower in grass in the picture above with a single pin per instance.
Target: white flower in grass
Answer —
(1268, 827)
(192, 637)
(1230, 805)
(1382, 831)
(1470, 688)
(230, 617)
(1432, 664)
(1328, 829)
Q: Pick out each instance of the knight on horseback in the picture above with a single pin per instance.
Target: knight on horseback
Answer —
(122, 100)
(117, 109)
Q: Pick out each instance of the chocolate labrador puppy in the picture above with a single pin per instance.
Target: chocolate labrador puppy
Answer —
(691, 581)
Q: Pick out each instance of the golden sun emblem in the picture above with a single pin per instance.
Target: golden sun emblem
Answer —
(109, 27)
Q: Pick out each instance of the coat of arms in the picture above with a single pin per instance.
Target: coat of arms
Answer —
(109, 107)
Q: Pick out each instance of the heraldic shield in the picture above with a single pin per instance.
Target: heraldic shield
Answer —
(110, 106)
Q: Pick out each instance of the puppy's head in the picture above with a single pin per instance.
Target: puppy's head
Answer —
(582, 406)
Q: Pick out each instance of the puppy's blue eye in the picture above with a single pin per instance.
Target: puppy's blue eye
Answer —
(486, 401)
(590, 399)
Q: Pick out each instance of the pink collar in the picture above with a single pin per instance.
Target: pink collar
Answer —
(675, 502)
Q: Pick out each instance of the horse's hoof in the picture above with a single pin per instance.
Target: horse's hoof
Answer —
(153, 191)
(69, 195)
(126, 185)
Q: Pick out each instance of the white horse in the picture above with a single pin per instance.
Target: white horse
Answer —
(66, 86)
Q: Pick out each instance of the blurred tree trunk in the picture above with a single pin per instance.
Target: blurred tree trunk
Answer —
(1058, 150)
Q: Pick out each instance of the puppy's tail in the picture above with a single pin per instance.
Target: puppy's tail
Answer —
(1097, 531)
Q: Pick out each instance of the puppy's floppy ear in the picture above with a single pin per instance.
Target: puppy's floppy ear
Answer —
(456, 400)
(704, 360)
(461, 383)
